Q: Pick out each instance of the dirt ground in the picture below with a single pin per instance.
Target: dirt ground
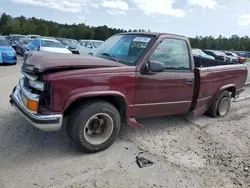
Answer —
(189, 153)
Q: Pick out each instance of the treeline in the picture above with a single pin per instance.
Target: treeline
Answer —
(23, 25)
(234, 43)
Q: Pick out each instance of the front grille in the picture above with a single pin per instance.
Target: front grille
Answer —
(45, 98)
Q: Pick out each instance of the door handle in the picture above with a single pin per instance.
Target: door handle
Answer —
(190, 81)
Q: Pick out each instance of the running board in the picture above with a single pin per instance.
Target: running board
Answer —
(134, 123)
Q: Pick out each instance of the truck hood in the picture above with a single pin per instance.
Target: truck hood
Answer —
(43, 61)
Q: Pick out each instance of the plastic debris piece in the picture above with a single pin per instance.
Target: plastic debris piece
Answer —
(142, 162)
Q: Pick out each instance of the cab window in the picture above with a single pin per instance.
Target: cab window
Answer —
(173, 53)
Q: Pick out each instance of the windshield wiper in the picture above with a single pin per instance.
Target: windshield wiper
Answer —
(110, 55)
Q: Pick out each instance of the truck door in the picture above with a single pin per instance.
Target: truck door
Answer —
(168, 92)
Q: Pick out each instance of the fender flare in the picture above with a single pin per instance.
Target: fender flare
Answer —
(90, 94)
(224, 87)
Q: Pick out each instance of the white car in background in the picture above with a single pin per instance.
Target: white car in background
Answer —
(48, 45)
(88, 46)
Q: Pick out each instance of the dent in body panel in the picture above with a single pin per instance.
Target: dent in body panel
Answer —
(70, 87)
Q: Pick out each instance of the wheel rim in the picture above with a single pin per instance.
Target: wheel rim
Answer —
(224, 106)
(98, 128)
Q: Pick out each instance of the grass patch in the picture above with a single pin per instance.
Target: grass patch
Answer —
(248, 59)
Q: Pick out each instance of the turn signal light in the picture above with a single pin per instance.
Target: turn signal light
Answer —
(32, 105)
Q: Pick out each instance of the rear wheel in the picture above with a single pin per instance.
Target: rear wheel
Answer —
(221, 105)
(94, 126)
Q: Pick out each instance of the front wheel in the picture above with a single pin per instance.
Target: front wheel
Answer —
(94, 126)
(221, 105)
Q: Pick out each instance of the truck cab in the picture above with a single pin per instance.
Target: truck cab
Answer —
(130, 76)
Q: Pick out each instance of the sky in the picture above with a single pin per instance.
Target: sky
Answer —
(184, 17)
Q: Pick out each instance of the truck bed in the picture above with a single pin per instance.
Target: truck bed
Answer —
(203, 62)
(211, 80)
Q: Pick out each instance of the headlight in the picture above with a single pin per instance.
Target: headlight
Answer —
(36, 85)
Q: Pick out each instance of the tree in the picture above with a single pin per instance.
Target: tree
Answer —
(101, 33)
(42, 29)
(3, 21)
(12, 26)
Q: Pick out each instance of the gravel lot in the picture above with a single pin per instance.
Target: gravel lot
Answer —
(198, 153)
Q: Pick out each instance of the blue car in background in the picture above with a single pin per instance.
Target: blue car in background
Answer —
(7, 53)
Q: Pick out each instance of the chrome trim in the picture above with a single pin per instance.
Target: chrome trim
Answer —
(30, 77)
(42, 122)
(161, 103)
(26, 92)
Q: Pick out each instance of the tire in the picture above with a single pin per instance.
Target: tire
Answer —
(215, 110)
(94, 126)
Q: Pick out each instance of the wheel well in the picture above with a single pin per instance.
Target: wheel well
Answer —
(232, 90)
(117, 101)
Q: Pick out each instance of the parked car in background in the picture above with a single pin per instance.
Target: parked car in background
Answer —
(216, 54)
(7, 53)
(243, 54)
(130, 76)
(199, 53)
(248, 54)
(47, 45)
(88, 46)
(14, 38)
(44, 37)
(230, 58)
(240, 59)
(22, 45)
(7, 37)
(71, 44)
(33, 36)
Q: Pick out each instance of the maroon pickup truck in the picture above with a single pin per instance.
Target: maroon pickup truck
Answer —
(130, 76)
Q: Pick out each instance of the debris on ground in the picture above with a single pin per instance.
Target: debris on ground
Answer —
(143, 162)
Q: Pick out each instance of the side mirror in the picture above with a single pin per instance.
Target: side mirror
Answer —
(156, 66)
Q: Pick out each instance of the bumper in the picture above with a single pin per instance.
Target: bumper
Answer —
(8, 59)
(42, 122)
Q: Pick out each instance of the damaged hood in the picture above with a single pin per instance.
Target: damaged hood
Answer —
(43, 61)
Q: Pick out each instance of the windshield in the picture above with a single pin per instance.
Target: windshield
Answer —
(126, 49)
(16, 37)
(52, 44)
(4, 42)
(26, 41)
(69, 42)
(96, 44)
